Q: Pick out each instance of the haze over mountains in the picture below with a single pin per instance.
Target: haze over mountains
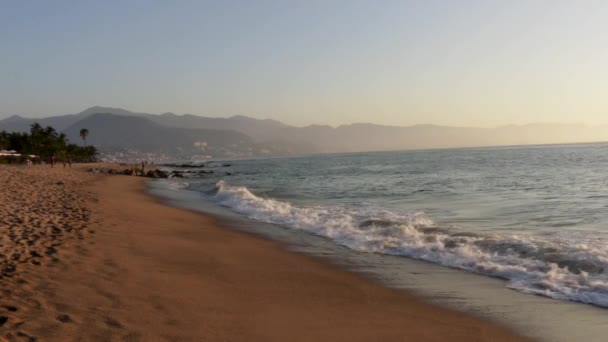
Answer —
(183, 136)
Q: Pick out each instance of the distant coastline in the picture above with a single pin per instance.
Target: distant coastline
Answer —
(121, 134)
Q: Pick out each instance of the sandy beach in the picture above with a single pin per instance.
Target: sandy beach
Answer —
(89, 257)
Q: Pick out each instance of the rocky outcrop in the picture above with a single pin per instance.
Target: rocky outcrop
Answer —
(156, 173)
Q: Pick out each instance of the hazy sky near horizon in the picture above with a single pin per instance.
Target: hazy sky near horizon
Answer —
(462, 63)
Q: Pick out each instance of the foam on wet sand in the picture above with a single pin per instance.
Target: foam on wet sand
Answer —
(92, 257)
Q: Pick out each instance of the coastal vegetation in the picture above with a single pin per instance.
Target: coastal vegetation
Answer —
(84, 133)
(44, 144)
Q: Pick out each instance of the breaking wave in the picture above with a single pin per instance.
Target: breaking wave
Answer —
(177, 185)
(567, 267)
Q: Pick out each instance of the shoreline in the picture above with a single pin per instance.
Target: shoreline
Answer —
(149, 270)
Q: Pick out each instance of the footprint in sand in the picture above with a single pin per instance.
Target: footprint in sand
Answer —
(64, 318)
(112, 322)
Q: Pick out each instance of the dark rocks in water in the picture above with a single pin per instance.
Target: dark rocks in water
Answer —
(109, 171)
(131, 172)
(182, 174)
(228, 173)
(184, 166)
(157, 173)
(226, 165)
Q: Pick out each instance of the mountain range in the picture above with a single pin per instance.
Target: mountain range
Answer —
(187, 135)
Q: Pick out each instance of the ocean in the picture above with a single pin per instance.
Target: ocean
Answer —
(535, 217)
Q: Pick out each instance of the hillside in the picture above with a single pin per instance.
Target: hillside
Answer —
(18, 123)
(166, 132)
(112, 132)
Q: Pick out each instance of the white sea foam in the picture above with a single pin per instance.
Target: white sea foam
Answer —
(567, 267)
(177, 185)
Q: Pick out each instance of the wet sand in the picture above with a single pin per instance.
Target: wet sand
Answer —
(100, 260)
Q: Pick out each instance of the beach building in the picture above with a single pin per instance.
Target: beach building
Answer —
(11, 153)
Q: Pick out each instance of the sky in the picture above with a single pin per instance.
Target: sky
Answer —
(459, 63)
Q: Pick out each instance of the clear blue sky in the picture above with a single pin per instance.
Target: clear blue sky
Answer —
(474, 63)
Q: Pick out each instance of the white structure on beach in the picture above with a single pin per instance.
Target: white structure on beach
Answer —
(12, 153)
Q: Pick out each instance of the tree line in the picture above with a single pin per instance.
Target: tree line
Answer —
(48, 144)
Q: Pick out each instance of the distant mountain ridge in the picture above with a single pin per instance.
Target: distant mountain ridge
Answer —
(118, 131)
(255, 136)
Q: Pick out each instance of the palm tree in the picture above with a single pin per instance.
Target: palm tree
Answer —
(36, 132)
(4, 140)
(49, 132)
(35, 128)
(60, 144)
(83, 134)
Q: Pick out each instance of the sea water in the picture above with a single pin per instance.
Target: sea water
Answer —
(534, 216)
